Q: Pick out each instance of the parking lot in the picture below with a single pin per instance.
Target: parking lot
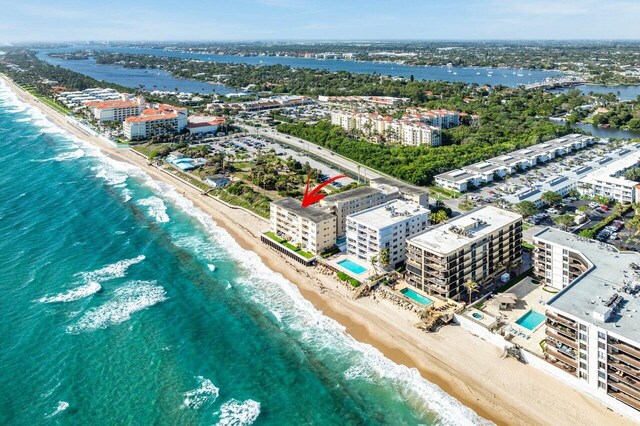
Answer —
(250, 145)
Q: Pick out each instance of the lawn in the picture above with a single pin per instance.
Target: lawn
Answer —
(445, 193)
(288, 245)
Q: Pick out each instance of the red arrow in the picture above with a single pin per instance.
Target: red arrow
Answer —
(313, 196)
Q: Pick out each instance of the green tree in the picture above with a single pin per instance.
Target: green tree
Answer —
(527, 208)
(565, 220)
(384, 258)
(471, 286)
(438, 217)
(551, 198)
(633, 174)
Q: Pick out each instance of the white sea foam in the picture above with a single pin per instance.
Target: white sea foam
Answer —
(112, 177)
(127, 195)
(130, 298)
(155, 208)
(62, 405)
(109, 272)
(205, 393)
(74, 294)
(211, 267)
(23, 120)
(236, 413)
(65, 156)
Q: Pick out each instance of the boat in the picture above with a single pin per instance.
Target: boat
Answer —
(211, 267)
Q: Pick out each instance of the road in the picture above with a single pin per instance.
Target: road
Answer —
(329, 156)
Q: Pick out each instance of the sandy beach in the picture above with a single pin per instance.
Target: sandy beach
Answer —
(468, 368)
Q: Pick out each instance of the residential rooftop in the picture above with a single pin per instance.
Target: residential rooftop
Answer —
(388, 214)
(464, 229)
(612, 270)
(312, 213)
(403, 187)
(352, 194)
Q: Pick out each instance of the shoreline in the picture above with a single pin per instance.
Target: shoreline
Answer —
(464, 366)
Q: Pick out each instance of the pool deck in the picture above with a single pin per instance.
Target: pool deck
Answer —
(530, 296)
(334, 262)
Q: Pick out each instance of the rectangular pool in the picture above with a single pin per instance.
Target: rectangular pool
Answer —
(352, 266)
(531, 320)
(416, 296)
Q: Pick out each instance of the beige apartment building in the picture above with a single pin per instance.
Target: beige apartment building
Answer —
(592, 325)
(312, 228)
(479, 245)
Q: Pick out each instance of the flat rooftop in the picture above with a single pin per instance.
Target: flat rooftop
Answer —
(312, 213)
(483, 167)
(352, 194)
(388, 214)
(444, 238)
(403, 187)
(610, 272)
(457, 175)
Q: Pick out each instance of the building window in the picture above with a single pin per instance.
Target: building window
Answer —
(602, 365)
(583, 337)
(601, 335)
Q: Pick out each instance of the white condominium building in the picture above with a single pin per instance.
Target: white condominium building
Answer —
(593, 328)
(116, 110)
(479, 245)
(354, 201)
(163, 119)
(385, 227)
(608, 181)
(311, 228)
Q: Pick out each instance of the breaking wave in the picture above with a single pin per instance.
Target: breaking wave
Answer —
(237, 413)
(74, 294)
(155, 208)
(109, 272)
(206, 393)
(132, 297)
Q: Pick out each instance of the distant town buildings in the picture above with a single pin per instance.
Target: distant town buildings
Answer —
(264, 104)
(359, 100)
(478, 246)
(384, 228)
(592, 328)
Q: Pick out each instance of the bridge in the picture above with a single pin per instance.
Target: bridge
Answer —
(556, 82)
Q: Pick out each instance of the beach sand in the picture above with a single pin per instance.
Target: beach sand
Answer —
(466, 367)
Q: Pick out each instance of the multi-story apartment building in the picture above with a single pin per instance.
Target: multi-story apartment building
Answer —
(356, 200)
(406, 131)
(310, 227)
(592, 328)
(116, 110)
(478, 245)
(608, 181)
(408, 192)
(442, 118)
(385, 227)
(162, 119)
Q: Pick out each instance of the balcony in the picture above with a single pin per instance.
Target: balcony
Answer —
(624, 378)
(625, 358)
(561, 357)
(626, 399)
(624, 368)
(623, 387)
(559, 337)
(626, 348)
(561, 320)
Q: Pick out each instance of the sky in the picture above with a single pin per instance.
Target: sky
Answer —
(81, 20)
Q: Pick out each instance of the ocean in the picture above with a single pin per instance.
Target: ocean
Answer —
(124, 304)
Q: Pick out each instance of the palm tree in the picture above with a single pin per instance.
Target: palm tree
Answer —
(374, 263)
(384, 258)
(471, 287)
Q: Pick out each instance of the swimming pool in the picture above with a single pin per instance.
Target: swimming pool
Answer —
(416, 296)
(352, 266)
(531, 320)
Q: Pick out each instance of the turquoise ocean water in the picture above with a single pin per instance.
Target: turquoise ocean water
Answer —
(111, 313)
